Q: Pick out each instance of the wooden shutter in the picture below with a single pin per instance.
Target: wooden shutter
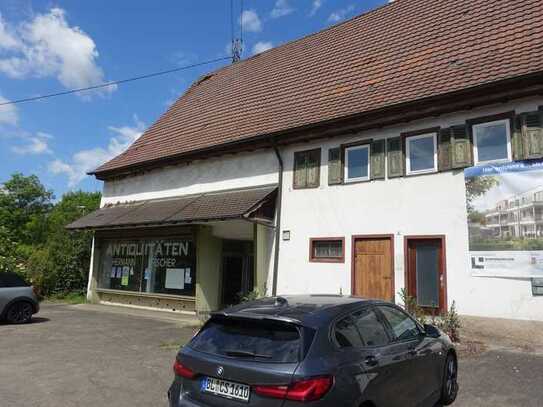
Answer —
(313, 168)
(444, 152)
(335, 166)
(300, 170)
(395, 157)
(377, 157)
(461, 147)
(517, 145)
(532, 134)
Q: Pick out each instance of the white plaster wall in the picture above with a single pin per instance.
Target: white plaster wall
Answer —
(215, 174)
(416, 205)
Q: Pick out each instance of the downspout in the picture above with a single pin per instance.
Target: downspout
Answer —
(278, 218)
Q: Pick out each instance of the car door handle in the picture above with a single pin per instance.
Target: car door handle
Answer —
(371, 361)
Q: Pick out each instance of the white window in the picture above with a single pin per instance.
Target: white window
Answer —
(357, 163)
(421, 153)
(492, 142)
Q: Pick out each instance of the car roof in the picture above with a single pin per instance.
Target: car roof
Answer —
(308, 310)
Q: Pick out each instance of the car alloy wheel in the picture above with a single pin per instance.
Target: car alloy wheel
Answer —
(19, 313)
(451, 383)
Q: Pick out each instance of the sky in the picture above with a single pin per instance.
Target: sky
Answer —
(51, 46)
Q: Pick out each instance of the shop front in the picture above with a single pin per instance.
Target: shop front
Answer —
(185, 254)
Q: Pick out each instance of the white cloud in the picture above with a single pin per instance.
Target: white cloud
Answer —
(86, 160)
(250, 21)
(8, 113)
(262, 46)
(315, 6)
(281, 9)
(340, 14)
(35, 145)
(47, 46)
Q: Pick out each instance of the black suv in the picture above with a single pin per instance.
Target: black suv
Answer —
(320, 350)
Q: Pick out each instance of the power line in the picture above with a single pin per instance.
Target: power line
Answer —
(118, 82)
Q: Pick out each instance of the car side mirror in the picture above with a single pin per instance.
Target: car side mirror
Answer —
(431, 331)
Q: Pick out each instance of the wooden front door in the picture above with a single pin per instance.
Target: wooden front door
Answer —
(426, 280)
(373, 267)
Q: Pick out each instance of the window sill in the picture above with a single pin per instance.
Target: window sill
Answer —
(421, 172)
(327, 260)
(502, 161)
(141, 294)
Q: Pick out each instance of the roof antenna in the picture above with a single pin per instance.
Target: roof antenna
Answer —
(237, 43)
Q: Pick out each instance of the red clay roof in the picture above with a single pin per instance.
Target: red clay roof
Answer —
(402, 52)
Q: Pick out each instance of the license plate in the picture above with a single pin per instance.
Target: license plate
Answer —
(224, 388)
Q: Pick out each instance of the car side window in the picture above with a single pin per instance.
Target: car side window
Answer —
(403, 327)
(8, 279)
(370, 327)
(346, 334)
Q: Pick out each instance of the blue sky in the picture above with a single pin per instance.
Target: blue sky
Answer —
(49, 46)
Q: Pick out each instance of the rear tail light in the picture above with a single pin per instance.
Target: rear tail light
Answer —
(303, 390)
(183, 371)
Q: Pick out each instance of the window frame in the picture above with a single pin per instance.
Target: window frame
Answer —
(475, 126)
(332, 331)
(346, 149)
(314, 259)
(392, 335)
(410, 138)
(294, 168)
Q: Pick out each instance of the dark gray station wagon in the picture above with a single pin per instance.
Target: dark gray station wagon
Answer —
(318, 350)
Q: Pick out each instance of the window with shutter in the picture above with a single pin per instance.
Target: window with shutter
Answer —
(378, 159)
(444, 159)
(307, 169)
(461, 147)
(532, 134)
(395, 157)
(335, 167)
(357, 163)
(492, 141)
(421, 154)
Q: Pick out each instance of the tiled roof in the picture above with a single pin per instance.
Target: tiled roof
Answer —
(223, 205)
(402, 52)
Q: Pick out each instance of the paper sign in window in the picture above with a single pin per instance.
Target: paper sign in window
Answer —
(175, 279)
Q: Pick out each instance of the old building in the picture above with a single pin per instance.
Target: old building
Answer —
(350, 161)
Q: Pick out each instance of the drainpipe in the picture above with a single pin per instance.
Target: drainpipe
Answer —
(278, 219)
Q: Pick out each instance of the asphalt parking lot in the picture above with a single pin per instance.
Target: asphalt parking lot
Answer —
(109, 356)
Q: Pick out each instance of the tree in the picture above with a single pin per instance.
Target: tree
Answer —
(478, 186)
(24, 204)
(61, 265)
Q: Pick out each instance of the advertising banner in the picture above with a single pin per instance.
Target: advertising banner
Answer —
(505, 219)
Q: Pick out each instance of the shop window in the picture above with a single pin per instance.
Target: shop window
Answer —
(307, 166)
(357, 163)
(327, 250)
(149, 266)
(421, 153)
(492, 142)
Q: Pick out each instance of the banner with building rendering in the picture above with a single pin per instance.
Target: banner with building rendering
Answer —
(505, 219)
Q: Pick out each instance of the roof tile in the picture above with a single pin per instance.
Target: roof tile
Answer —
(401, 52)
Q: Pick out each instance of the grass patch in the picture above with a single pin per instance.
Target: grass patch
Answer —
(68, 298)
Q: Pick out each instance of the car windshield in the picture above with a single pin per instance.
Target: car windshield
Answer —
(266, 341)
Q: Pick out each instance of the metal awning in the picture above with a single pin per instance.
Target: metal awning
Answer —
(253, 204)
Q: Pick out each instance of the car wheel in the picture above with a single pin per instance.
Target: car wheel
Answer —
(449, 388)
(19, 313)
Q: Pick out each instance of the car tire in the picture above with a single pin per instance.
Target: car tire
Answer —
(449, 388)
(19, 312)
